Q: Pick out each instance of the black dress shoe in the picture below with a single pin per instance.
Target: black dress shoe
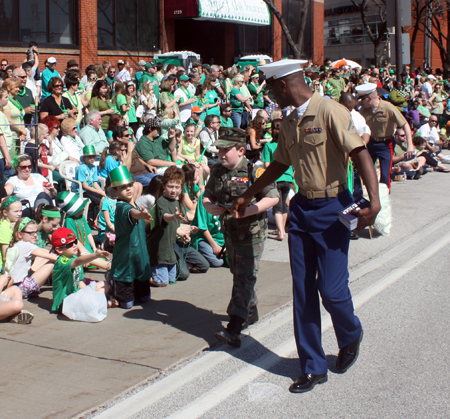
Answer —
(354, 236)
(348, 355)
(231, 338)
(306, 382)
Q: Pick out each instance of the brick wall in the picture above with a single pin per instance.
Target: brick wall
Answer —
(318, 19)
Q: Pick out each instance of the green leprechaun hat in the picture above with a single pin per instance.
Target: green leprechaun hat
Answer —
(70, 202)
(89, 150)
(120, 176)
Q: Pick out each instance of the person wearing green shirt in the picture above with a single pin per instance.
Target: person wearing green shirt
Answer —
(209, 240)
(337, 84)
(257, 91)
(140, 72)
(111, 77)
(225, 112)
(237, 101)
(131, 100)
(149, 75)
(167, 98)
(211, 98)
(284, 182)
(47, 75)
(155, 150)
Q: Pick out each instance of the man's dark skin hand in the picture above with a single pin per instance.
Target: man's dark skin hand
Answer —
(363, 161)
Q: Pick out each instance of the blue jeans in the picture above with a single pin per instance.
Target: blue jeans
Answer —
(206, 250)
(144, 179)
(7, 173)
(236, 117)
(163, 274)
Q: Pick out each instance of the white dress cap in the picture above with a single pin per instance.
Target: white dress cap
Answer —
(365, 89)
(281, 68)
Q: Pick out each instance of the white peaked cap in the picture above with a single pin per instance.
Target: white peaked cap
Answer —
(365, 89)
(281, 68)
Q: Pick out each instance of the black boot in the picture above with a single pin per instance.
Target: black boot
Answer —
(232, 333)
(253, 317)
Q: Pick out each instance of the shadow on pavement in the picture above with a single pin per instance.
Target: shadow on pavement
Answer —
(181, 315)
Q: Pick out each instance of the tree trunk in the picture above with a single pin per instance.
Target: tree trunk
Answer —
(301, 31)
(284, 27)
(380, 52)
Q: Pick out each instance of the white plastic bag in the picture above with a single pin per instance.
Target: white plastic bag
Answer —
(86, 305)
(383, 221)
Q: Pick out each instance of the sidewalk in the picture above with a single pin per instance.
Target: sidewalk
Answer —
(55, 368)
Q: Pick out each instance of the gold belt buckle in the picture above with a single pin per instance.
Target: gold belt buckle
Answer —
(310, 194)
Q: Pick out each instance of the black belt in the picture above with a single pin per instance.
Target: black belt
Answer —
(381, 139)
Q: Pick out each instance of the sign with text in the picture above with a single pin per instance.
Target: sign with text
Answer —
(249, 12)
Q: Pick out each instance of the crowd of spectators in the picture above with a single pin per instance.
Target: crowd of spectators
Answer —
(156, 118)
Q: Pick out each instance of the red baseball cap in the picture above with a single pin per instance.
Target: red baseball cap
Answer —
(62, 236)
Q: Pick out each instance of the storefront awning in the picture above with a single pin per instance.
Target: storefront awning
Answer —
(248, 12)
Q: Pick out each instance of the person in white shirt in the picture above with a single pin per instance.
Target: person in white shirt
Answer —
(122, 74)
(70, 140)
(187, 98)
(430, 130)
(427, 87)
(208, 136)
(30, 71)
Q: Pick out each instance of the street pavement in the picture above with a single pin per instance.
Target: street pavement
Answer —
(161, 360)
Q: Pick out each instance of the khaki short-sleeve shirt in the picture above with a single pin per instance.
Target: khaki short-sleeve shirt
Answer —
(318, 145)
(384, 120)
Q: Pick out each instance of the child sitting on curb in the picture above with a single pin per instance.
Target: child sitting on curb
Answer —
(68, 274)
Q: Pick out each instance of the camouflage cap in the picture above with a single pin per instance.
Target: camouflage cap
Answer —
(229, 137)
(154, 122)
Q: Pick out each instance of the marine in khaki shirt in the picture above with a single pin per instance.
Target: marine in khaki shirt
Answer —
(317, 139)
(384, 121)
(382, 118)
(318, 145)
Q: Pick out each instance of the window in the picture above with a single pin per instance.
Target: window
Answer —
(128, 24)
(48, 22)
(349, 30)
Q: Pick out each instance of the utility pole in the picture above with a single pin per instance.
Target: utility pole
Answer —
(398, 39)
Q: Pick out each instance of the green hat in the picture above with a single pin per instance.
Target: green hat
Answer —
(89, 150)
(70, 202)
(184, 78)
(229, 137)
(150, 65)
(120, 176)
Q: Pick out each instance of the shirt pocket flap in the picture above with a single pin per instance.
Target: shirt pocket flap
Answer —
(315, 139)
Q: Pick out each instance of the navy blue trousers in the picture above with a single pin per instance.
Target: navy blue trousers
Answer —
(318, 247)
(383, 151)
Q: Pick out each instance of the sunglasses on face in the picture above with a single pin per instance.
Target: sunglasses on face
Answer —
(21, 77)
(69, 245)
(127, 135)
(57, 85)
(31, 233)
(25, 167)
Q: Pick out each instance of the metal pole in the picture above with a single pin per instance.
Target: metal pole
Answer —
(398, 39)
(36, 141)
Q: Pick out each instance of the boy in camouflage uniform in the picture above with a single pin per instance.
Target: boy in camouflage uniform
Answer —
(245, 232)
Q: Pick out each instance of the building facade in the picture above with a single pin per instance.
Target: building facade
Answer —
(91, 31)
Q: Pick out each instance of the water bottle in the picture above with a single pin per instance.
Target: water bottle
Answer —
(404, 177)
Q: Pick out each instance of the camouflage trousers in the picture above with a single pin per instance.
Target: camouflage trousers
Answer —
(244, 265)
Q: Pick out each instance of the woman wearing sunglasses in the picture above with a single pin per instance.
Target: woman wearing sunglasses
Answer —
(56, 104)
(30, 186)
